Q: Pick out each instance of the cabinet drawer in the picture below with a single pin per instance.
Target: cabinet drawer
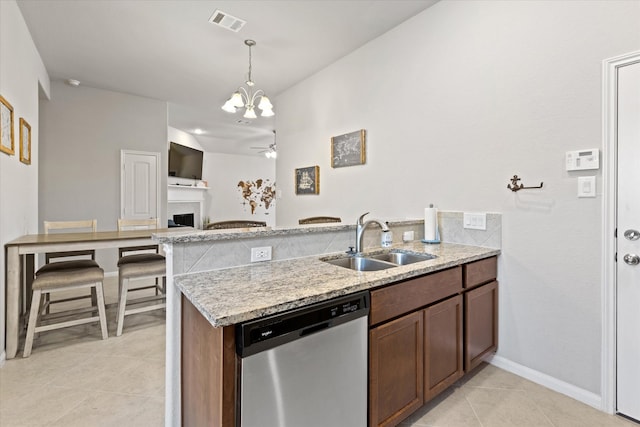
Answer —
(404, 297)
(479, 272)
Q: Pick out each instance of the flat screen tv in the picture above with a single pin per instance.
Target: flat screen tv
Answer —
(185, 162)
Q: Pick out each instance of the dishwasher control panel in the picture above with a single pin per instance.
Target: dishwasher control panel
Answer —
(258, 335)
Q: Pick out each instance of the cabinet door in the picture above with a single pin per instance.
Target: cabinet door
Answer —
(442, 346)
(395, 370)
(481, 323)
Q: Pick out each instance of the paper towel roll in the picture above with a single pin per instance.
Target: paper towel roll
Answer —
(430, 224)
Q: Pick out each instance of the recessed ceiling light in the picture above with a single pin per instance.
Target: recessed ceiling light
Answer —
(198, 131)
(73, 82)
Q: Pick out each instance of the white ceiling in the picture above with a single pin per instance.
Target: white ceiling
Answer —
(167, 50)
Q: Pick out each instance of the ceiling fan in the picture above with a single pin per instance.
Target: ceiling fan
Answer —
(271, 151)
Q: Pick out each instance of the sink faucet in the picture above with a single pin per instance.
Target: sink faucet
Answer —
(362, 225)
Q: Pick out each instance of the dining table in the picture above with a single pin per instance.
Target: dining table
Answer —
(20, 264)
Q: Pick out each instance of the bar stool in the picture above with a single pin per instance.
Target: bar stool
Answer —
(319, 220)
(139, 266)
(52, 262)
(50, 282)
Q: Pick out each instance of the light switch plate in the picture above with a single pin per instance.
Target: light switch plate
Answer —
(586, 186)
(475, 221)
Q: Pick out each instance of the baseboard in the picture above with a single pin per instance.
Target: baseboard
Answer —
(111, 273)
(548, 381)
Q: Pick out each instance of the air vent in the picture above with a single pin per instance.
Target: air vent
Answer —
(227, 21)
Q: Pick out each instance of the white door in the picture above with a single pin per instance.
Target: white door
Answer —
(140, 185)
(628, 241)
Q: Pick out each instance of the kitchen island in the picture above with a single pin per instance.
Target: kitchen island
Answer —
(204, 306)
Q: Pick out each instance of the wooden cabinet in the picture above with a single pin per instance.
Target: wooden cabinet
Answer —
(418, 355)
(442, 346)
(396, 369)
(480, 310)
(481, 323)
(426, 333)
(208, 371)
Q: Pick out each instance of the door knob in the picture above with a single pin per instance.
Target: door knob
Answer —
(632, 259)
(632, 234)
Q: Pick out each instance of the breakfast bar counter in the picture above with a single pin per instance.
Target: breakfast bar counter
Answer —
(230, 296)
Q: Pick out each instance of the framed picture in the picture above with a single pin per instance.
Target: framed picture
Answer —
(6, 127)
(308, 180)
(348, 149)
(25, 142)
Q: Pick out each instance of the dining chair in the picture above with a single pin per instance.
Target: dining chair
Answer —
(319, 220)
(64, 276)
(55, 261)
(139, 265)
(237, 223)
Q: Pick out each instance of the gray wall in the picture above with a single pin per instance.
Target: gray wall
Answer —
(82, 132)
(455, 101)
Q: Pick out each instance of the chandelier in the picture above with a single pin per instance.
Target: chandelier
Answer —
(247, 98)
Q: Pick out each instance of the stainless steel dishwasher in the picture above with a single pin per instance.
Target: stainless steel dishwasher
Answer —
(306, 367)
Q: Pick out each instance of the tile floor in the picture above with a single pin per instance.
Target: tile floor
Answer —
(492, 397)
(73, 378)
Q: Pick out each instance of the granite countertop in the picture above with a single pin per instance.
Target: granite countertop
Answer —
(233, 295)
(176, 235)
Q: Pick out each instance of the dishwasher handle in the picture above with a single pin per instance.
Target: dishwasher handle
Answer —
(315, 328)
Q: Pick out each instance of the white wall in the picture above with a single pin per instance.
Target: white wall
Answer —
(83, 131)
(456, 101)
(22, 78)
(224, 199)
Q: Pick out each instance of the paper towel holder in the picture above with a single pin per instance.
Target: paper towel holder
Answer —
(514, 186)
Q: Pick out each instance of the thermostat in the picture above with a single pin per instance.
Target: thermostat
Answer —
(583, 160)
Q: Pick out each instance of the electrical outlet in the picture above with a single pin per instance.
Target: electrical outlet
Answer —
(261, 254)
(475, 221)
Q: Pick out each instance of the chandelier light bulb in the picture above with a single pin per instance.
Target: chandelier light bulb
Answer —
(265, 104)
(250, 113)
(228, 106)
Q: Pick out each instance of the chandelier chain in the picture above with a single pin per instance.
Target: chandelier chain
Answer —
(250, 63)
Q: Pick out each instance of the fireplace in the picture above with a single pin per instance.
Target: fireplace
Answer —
(184, 219)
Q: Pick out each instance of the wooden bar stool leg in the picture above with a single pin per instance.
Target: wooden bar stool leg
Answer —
(122, 305)
(101, 310)
(33, 319)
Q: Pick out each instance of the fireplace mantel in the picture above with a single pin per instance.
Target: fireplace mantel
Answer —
(185, 193)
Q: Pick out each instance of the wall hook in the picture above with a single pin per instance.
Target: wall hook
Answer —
(514, 186)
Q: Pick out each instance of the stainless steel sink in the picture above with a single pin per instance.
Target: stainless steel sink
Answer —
(402, 258)
(378, 262)
(359, 263)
